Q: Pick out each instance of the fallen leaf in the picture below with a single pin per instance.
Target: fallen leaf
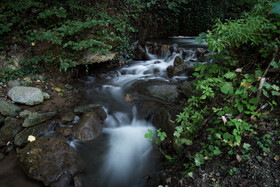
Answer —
(168, 180)
(31, 138)
(239, 158)
(224, 119)
(128, 98)
(276, 158)
(238, 70)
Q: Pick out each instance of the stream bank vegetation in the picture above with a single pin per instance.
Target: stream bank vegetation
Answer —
(233, 114)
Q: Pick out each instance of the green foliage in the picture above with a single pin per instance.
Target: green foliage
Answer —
(256, 28)
(71, 28)
(227, 98)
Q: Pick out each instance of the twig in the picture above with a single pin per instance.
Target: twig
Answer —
(210, 117)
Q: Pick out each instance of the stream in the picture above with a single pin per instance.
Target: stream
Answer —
(121, 156)
(136, 97)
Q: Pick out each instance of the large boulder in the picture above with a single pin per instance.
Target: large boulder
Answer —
(81, 109)
(26, 95)
(50, 159)
(89, 127)
(187, 89)
(8, 109)
(36, 118)
(92, 58)
(21, 139)
(11, 127)
(157, 89)
(165, 92)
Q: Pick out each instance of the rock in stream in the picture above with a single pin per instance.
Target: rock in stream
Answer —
(50, 159)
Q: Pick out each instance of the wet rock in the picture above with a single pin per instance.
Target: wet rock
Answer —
(178, 61)
(187, 89)
(36, 131)
(199, 51)
(78, 181)
(157, 89)
(164, 92)
(68, 117)
(89, 127)
(2, 120)
(64, 131)
(2, 156)
(123, 72)
(181, 69)
(140, 53)
(8, 109)
(11, 127)
(170, 71)
(25, 114)
(187, 53)
(36, 118)
(157, 62)
(50, 159)
(13, 83)
(91, 108)
(112, 74)
(26, 95)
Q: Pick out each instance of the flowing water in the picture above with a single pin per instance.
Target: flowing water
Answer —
(121, 156)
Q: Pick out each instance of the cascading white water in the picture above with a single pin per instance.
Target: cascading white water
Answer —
(127, 157)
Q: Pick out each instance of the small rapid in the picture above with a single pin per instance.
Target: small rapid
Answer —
(121, 156)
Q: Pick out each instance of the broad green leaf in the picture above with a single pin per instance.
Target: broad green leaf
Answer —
(265, 93)
(254, 100)
(240, 108)
(217, 152)
(254, 89)
(230, 75)
(227, 88)
(275, 93)
(258, 73)
(274, 64)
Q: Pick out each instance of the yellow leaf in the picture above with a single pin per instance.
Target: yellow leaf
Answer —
(31, 138)
(245, 84)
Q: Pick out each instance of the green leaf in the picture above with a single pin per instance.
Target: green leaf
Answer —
(227, 88)
(275, 93)
(254, 89)
(217, 152)
(265, 93)
(258, 73)
(230, 75)
(240, 108)
(203, 97)
(274, 64)
(254, 100)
